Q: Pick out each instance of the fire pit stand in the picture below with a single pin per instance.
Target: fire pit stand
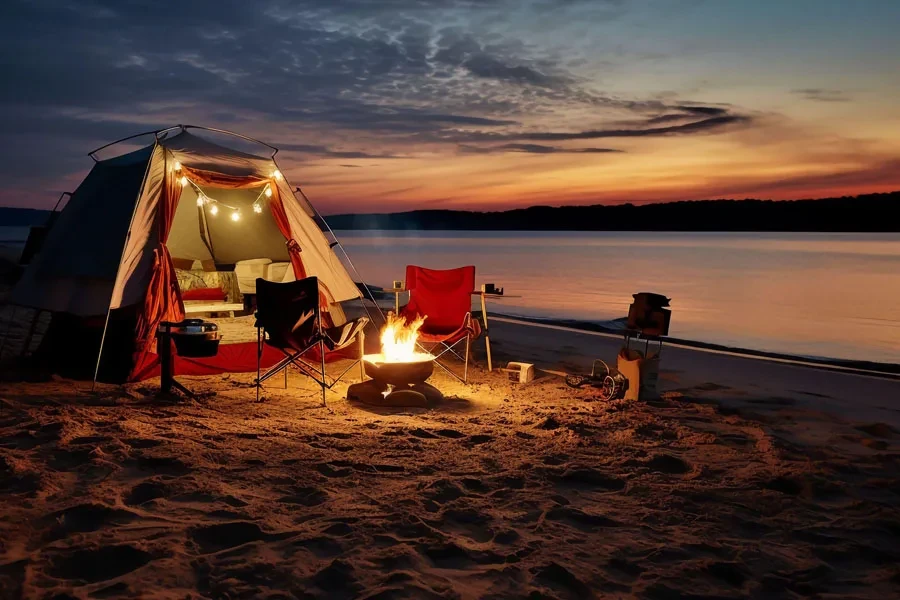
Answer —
(396, 383)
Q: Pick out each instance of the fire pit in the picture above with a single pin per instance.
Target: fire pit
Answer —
(399, 372)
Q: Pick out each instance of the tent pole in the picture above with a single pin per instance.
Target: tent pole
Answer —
(121, 256)
(347, 256)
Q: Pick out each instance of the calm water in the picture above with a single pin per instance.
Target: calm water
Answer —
(826, 295)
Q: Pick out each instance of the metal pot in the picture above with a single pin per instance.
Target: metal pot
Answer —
(196, 338)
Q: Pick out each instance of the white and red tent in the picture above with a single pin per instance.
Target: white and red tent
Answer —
(107, 263)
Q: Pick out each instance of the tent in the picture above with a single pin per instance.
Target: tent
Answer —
(106, 271)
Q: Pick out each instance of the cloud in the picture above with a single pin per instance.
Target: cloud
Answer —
(326, 152)
(635, 130)
(703, 125)
(489, 67)
(343, 79)
(533, 149)
(823, 95)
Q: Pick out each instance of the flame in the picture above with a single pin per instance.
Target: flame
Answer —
(398, 339)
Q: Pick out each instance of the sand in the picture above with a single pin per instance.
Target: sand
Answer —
(745, 479)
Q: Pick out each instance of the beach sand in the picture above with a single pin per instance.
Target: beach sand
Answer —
(745, 479)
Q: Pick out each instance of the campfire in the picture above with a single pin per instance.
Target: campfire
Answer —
(399, 371)
(398, 342)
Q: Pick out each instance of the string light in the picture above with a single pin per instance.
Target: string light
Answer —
(177, 167)
(213, 204)
(276, 174)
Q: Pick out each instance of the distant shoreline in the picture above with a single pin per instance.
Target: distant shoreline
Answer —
(872, 213)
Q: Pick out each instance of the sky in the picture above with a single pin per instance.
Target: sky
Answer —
(390, 105)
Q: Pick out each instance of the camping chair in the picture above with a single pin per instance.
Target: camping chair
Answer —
(444, 298)
(288, 317)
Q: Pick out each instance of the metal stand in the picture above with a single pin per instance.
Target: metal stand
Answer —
(164, 348)
(637, 335)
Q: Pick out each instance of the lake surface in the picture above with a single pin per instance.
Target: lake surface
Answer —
(809, 294)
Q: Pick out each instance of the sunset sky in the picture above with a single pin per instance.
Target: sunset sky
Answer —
(478, 104)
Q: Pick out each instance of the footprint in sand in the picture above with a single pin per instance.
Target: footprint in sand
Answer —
(468, 522)
(213, 538)
(97, 564)
(145, 492)
(479, 439)
(443, 491)
(454, 556)
(580, 519)
(422, 434)
(329, 470)
(86, 517)
(558, 577)
(450, 433)
(339, 529)
(163, 465)
(306, 496)
(321, 546)
(668, 464)
(15, 480)
(338, 579)
(589, 478)
(143, 442)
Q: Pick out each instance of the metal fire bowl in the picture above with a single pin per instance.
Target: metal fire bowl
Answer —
(399, 374)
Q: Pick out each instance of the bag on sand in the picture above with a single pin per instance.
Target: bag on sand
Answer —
(642, 373)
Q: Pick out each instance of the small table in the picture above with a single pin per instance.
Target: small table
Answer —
(396, 292)
(212, 307)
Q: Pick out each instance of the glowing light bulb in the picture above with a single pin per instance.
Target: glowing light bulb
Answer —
(277, 174)
(268, 192)
(199, 200)
(177, 166)
(183, 181)
(214, 209)
(236, 215)
(257, 208)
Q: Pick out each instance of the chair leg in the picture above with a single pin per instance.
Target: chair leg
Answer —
(466, 364)
(258, 360)
(322, 357)
(361, 340)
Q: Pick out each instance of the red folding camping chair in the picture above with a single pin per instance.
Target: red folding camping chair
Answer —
(444, 298)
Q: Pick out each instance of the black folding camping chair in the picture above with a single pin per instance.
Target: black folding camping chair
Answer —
(288, 317)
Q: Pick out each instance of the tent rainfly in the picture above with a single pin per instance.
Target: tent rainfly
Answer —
(106, 270)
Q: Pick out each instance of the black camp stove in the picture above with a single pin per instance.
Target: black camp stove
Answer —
(194, 338)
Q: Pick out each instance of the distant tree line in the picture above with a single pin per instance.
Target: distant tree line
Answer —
(867, 213)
